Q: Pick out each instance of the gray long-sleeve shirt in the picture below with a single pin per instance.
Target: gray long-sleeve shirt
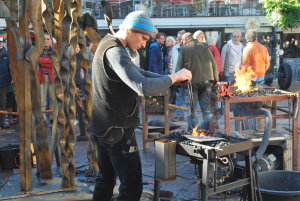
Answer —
(142, 82)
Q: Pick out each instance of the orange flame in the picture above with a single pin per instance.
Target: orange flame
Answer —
(200, 133)
(243, 77)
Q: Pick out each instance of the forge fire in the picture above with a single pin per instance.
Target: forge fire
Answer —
(195, 132)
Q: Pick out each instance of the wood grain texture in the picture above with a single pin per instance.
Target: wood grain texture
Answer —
(43, 156)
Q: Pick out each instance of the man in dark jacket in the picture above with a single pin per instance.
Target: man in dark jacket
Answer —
(5, 81)
(117, 81)
(197, 58)
(156, 54)
(144, 52)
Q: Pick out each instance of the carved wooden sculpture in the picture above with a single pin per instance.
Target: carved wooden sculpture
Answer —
(43, 156)
(21, 77)
(24, 65)
(68, 68)
(58, 126)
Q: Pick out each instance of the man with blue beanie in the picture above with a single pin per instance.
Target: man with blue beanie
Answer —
(116, 85)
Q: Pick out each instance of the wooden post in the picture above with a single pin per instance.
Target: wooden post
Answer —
(227, 115)
(20, 69)
(145, 124)
(295, 132)
(21, 75)
(24, 100)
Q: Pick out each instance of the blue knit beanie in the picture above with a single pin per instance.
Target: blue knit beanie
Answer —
(138, 21)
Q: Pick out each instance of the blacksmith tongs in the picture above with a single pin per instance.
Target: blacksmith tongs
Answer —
(191, 97)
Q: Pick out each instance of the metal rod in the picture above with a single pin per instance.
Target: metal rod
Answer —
(16, 113)
(278, 116)
(182, 108)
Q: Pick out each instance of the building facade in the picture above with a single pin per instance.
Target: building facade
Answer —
(217, 18)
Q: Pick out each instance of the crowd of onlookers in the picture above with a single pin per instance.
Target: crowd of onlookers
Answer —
(163, 55)
(198, 53)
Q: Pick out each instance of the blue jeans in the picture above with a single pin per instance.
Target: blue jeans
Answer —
(123, 160)
(47, 94)
(3, 91)
(229, 78)
(201, 95)
(180, 100)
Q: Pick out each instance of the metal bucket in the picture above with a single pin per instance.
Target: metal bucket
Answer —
(279, 185)
(9, 157)
(165, 160)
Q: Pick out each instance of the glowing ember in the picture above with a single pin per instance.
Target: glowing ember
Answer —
(243, 78)
(200, 133)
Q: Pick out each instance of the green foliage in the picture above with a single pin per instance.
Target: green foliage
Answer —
(283, 13)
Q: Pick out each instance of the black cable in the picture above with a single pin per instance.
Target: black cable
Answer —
(265, 139)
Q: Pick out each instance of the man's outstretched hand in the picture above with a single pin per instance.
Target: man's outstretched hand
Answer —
(183, 76)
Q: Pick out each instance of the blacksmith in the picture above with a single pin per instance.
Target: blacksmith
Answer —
(116, 84)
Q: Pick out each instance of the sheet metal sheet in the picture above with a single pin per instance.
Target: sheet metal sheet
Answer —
(202, 138)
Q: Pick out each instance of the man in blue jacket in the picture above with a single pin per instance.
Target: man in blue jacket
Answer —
(5, 81)
(156, 56)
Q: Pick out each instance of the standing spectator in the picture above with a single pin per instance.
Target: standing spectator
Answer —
(170, 42)
(79, 81)
(156, 56)
(255, 59)
(198, 59)
(80, 73)
(200, 37)
(255, 56)
(175, 50)
(180, 91)
(215, 52)
(231, 57)
(5, 81)
(90, 56)
(45, 75)
(11, 104)
(116, 85)
(144, 52)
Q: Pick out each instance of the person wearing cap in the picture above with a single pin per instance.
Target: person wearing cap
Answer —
(117, 81)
